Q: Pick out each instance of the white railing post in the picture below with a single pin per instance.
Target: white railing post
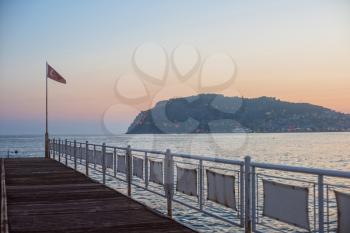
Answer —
(65, 151)
(50, 147)
(129, 169)
(320, 204)
(94, 156)
(169, 181)
(51, 156)
(201, 184)
(75, 154)
(80, 152)
(115, 162)
(247, 186)
(104, 163)
(87, 158)
(48, 141)
(59, 150)
(241, 195)
(71, 148)
(146, 170)
(253, 200)
(54, 149)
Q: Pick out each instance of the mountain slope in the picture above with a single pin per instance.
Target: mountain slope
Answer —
(212, 113)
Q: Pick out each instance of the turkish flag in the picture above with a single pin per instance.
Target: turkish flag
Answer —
(53, 74)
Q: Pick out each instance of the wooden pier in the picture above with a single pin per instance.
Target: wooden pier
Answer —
(45, 196)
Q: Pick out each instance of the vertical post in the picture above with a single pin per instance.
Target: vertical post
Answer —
(247, 186)
(320, 204)
(129, 169)
(94, 156)
(49, 148)
(115, 162)
(46, 121)
(81, 153)
(75, 154)
(65, 151)
(54, 148)
(253, 195)
(241, 195)
(201, 184)
(59, 150)
(146, 170)
(47, 154)
(169, 181)
(87, 158)
(69, 149)
(104, 163)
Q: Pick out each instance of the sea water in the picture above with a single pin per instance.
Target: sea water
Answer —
(318, 150)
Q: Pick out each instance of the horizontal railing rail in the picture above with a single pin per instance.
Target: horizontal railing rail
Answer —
(213, 185)
(314, 171)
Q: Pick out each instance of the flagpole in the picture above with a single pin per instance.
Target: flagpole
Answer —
(46, 124)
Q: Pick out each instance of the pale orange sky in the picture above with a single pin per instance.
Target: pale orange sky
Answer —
(294, 50)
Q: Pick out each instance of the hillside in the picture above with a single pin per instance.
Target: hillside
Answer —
(212, 113)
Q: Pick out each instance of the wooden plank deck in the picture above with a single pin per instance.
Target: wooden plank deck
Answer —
(45, 196)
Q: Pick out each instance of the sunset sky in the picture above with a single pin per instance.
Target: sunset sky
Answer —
(296, 51)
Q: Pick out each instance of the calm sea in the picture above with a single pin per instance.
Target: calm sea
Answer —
(323, 150)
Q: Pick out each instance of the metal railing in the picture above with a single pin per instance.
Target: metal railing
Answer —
(249, 176)
(313, 177)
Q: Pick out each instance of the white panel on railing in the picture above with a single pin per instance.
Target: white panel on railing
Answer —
(109, 159)
(221, 189)
(98, 157)
(343, 204)
(69, 151)
(156, 172)
(83, 153)
(286, 203)
(78, 152)
(121, 163)
(137, 167)
(186, 181)
(91, 156)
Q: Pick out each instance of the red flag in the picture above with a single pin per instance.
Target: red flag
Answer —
(54, 75)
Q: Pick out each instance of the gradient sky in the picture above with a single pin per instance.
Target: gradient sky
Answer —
(294, 50)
